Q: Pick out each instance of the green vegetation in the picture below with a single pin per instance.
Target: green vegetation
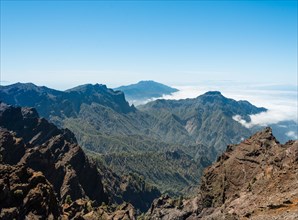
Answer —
(168, 142)
(68, 199)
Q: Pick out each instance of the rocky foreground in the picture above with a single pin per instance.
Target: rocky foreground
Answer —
(44, 174)
(257, 179)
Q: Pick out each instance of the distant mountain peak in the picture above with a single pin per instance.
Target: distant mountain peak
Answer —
(213, 93)
(147, 81)
(144, 90)
(212, 96)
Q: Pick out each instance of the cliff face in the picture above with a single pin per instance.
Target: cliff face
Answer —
(256, 179)
(29, 140)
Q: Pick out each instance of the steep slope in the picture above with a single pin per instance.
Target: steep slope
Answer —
(256, 179)
(208, 119)
(100, 125)
(56, 105)
(172, 172)
(144, 90)
(26, 139)
(43, 147)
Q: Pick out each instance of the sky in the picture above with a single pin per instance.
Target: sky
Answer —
(61, 44)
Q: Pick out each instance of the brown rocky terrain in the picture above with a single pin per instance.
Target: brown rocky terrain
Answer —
(26, 194)
(31, 146)
(257, 179)
(32, 141)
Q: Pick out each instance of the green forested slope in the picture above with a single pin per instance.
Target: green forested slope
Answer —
(131, 140)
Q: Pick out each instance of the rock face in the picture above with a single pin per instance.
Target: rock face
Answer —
(256, 179)
(25, 194)
(32, 141)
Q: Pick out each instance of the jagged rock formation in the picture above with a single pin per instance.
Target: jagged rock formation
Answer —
(256, 179)
(26, 194)
(43, 147)
(83, 209)
(29, 141)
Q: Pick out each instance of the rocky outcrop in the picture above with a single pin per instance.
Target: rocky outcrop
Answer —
(26, 194)
(32, 141)
(256, 179)
(82, 209)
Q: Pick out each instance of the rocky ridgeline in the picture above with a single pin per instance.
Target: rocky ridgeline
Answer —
(256, 179)
(46, 174)
(51, 103)
(32, 141)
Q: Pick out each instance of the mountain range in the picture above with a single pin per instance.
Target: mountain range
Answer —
(46, 175)
(188, 134)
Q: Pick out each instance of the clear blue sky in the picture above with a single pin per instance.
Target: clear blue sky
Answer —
(65, 43)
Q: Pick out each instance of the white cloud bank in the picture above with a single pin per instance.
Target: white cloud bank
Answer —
(292, 135)
(282, 105)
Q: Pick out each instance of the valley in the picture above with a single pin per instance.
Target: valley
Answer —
(138, 140)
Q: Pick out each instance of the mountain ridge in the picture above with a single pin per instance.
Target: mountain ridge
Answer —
(33, 161)
(105, 123)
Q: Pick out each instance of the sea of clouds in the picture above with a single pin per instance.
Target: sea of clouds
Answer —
(280, 100)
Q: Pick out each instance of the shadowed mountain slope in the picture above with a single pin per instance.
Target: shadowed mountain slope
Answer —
(52, 103)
